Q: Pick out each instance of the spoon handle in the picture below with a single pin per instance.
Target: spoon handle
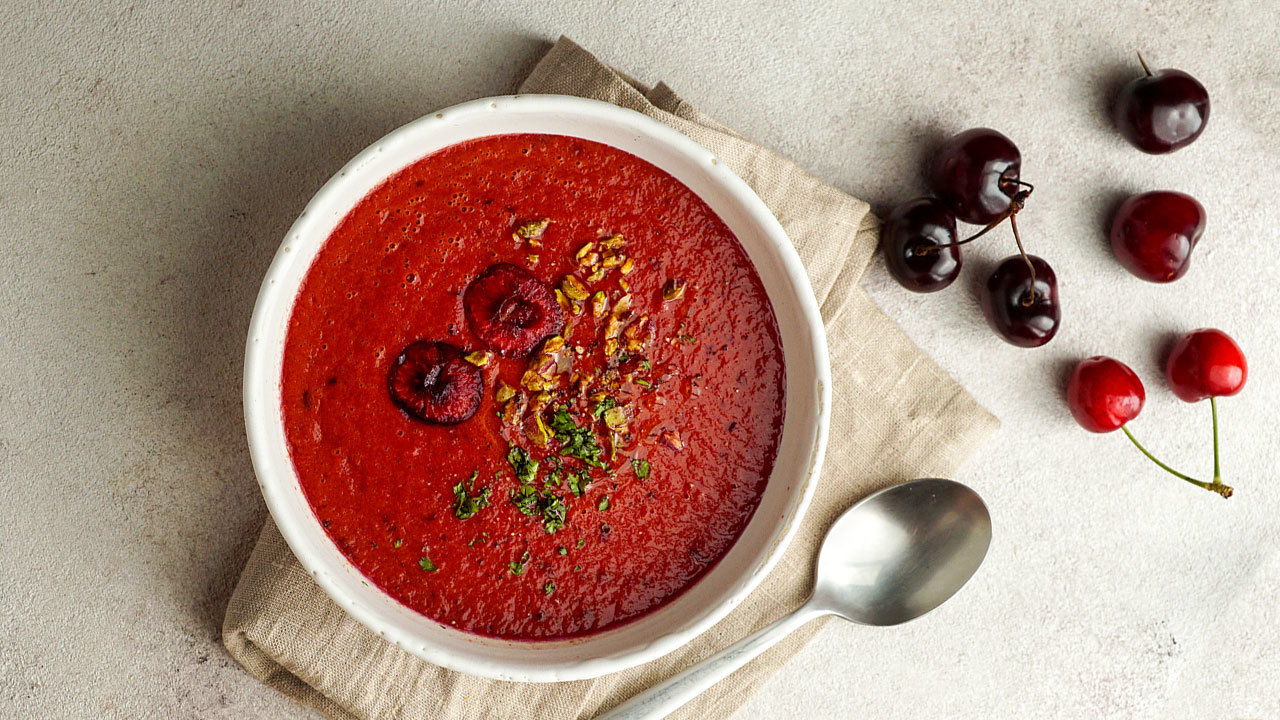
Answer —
(664, 698)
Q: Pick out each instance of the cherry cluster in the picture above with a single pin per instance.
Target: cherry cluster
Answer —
(975, 178)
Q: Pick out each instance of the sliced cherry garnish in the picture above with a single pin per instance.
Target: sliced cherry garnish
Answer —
(1104, 394)
(911, 230)
(1154, 233)
(510, 310)
(1162, 111)
(433, 382)
(1021, 304)
(976, 173)
(1206, 363)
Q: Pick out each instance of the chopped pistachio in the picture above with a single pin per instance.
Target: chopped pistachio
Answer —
(532, 229)
(563, 302)
(533, 381)
(611, 261)
(598, 303)
(574, 288)
(622, 304)
(627, 266)
(623, 284)
(671, 439)
(514, 408)
(615, 417)
(583, 252)
(673, 290)
(504, 392)
(479, 358)
(533, 259)
(613, 242)
(597, 276)
(552, 344)
(611, 347)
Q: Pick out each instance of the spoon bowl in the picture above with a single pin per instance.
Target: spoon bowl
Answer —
(893, 557)
(902, 552)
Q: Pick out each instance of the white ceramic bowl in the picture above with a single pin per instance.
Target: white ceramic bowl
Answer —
(803, 438)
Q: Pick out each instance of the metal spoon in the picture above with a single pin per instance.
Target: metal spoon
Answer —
(892, 557)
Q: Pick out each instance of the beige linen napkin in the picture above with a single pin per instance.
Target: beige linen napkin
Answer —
(895, 416)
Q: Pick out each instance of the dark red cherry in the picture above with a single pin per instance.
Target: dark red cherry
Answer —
(1012, 311)
(432, 382)
(975, 172)
(1206, 363)
(510, 310)
(1104, 394)
(1162, 111)
(1154, 233)
(911, 229)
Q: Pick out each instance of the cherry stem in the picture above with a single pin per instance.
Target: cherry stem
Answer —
(1031, 297)
(1215, 486)
(1217, 469)
(1144, 64)
(966, 241)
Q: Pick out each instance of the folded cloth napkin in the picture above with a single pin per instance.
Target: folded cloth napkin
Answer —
(895, 416)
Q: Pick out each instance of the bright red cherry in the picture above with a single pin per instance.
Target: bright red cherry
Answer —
(1154, 233)
(1206, 363)
(1104, 394)
(1162, 111)
(908, 234)
(976, 173)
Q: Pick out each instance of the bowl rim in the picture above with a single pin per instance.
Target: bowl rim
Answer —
(258, 370)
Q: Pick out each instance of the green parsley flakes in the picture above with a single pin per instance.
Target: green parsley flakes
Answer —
(466, 505)
(524, 467)
(641, 468)
(576, 442)
(549, 588)
(604, 504)
(427, 565)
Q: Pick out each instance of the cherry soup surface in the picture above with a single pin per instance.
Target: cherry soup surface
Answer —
(623, 437)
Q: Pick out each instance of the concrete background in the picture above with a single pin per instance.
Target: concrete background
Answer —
(154, 154)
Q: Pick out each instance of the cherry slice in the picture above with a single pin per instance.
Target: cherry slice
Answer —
(431, 381)
(510, 310)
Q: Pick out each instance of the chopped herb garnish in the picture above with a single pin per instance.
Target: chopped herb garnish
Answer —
(541, 503)
(553, 512)
(578, 482)
(643, 383)
(549, 588)
(517, 567)
(525, 498)
(623, 357)
(576, 442)
(577, 568)
(641, 468)
(646, 364)
(397, 543)
(562, 550)
(525, 467)
(427, 565)
(582, 542)
(605, 404)
(604, 504)
(464, 504)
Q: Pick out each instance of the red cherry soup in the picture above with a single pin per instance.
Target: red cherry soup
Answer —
(570, 501)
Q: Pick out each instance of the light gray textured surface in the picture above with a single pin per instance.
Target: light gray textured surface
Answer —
(153, 155)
